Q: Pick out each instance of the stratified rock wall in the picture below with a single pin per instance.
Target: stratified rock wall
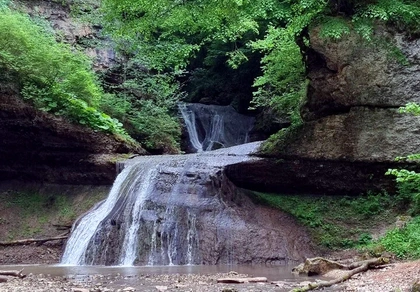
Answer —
(37, 146)
(352, 130)
(354, 94)
(353, 72)
(72, 30)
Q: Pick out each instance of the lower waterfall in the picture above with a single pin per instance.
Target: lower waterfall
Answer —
(184, 210)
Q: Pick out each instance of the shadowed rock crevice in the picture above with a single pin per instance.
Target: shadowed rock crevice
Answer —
(37, 146)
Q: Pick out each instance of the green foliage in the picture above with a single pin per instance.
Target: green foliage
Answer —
(335, 27)
(404, 242)
(170, 33)
(404, 13)
(408, 183)
(38, 209)
(143, 103)
(51, 75)
(335, 222)
(4, 4)
(411, 108)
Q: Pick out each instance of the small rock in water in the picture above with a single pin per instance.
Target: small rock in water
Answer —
(161, 288)
(129, 289)
(79, 290)
(229, 290)
(233, 273)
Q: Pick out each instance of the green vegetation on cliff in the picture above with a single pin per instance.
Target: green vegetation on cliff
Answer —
(171, 34)
(58, 78)
(234, 50)
(340, 222)
(337, 222)
(31, 211)
(50, 75)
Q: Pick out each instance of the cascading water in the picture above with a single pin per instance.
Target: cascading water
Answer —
(212, 126)
(177, 210)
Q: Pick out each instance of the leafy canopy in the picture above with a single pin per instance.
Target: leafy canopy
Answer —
(168, 33)
(51, 75)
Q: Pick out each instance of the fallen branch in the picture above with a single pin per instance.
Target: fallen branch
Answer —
(31, 240)
(13, 273)
(242, 280)
(353, 269)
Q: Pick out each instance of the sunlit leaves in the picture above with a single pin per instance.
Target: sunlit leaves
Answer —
(411, 108)
(187, 25)
(334, 27)
(50, 75)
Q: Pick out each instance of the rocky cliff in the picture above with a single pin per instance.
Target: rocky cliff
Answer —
(352, 130)
(38, 146)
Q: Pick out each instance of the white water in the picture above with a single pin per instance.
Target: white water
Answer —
(189, 120)
(151, 214)
(85, 228)
(132, 185)
(212, 127)
(129, 246)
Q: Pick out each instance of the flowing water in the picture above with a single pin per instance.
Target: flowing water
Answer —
(212, 126)
(183, 210)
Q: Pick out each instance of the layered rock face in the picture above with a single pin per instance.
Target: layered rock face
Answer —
(184, 210)
(352, 131)
(36, 146)
(74, 31)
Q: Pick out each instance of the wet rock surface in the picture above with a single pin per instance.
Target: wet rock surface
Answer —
(188, 212)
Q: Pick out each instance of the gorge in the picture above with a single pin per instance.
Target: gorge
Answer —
(337, 72)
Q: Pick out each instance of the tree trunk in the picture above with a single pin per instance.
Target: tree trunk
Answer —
(13, 273)
(242, 280)
(31, 240)
(353, 269)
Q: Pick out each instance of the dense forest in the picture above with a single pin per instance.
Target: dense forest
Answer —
(245, 53)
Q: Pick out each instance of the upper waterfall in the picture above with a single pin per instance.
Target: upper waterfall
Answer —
(213, 126)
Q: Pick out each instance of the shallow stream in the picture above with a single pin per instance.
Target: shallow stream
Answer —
(153, 278)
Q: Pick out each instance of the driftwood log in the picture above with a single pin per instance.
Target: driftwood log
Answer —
(13, 273)
(242, 280)
(32, 240)
(6, 275)
(321, 266)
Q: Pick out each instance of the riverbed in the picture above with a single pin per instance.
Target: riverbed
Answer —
(152, 278)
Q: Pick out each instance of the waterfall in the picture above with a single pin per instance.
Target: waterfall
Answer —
(212, 127)
(180, 209)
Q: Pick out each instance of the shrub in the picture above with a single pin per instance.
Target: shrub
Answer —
(50, 75)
